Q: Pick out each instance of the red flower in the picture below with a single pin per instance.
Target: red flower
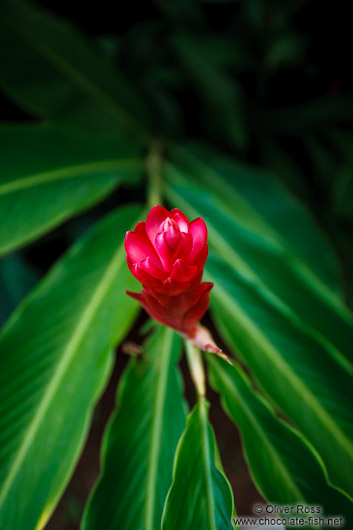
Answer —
(167, 255)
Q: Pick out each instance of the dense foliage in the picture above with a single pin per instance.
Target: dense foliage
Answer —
(229, 111)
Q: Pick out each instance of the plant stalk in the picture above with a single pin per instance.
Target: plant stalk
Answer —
(194, 357)
(154, 162)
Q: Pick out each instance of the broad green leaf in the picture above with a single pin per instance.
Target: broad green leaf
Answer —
(49, 174)
(17, 278)
(296, 372)
(139, 445)
(54, 362)
(51, 70)
(200, 497)
(285, 469)
(270, 241)
(259, 204)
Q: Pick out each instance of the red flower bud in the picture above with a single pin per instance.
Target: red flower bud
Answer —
(167, 255)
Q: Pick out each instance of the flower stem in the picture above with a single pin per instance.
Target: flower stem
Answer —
(154, 172)
(194, 357)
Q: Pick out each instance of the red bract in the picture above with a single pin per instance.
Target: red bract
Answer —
(167, 255)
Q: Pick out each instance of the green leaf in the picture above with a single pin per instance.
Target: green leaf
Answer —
(271, 242)
(139, 446)
(54, 362)
(251, 198)
(17, 278)
(50, 69)
(285, 167)
(294, 370)
(49, 174)
(284, 467)
(200, 497)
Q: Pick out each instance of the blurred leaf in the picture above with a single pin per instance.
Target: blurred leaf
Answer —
(54, 362)
(183, 12)
(49, 174)
(51, 70)
(200, 497)
(272, 306)
(285, 469)
(343, 175)
(270, 240)
(286, 51)
(109, 44)
(16, 280)
(322, 157)
(342, 139)
(222, 98)
(284, 166)
(343, 192)
(295, 371)
(314, 115)
(139, 446)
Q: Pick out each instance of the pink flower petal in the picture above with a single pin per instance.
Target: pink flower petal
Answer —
(129, 262)
(202, 257)
(172, 236)
(163, 249)
(162, 314)
(180, 218)
(192, 317)
(155, 218)
(183, 249)
(183, 272)
(148, 266)
(180, 303)
(144, 277)
(137, 296)
(172, 287)
(198, 231)
(140, 229)
(196, 281)
(139, 247)
(167, 255)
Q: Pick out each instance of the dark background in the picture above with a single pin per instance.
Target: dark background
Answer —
(285, 72)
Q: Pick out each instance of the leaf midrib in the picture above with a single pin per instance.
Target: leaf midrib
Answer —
(85, 84)
(262, 434)
(67, 172)
(62, 367)
(163, 361)
(225, 248)
(284, 368)
(301, 268)
(296, 262)
(206, 453)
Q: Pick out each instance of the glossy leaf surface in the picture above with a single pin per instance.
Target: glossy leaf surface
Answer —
(300, 377)
(16, 280)
(284, 467)
(48, 174)
(283, 256)
(139, 446)
(272, 296)
(54, 362)
(200, 497)
(51, 70)
(255, 202)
